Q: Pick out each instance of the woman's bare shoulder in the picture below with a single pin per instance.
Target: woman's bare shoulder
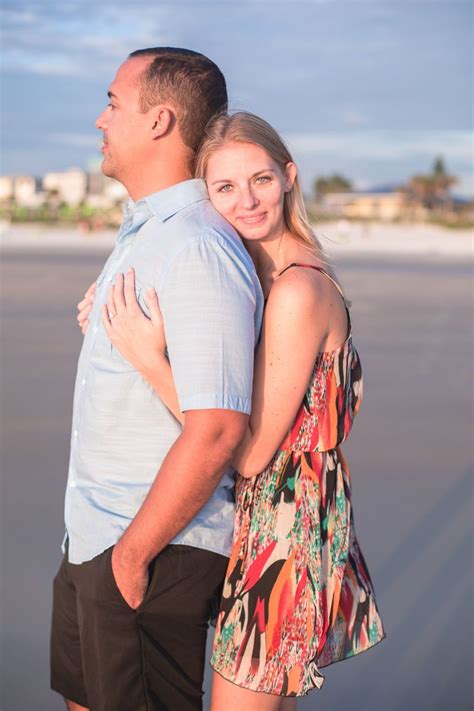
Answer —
(299, 287)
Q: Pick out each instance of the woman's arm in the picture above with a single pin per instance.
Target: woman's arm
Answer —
(160, 376)
(139, 339)
(294, 330)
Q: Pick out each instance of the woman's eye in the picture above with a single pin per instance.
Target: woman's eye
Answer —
(225, 188)
(263, 179)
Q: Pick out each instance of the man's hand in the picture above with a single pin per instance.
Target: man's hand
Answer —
(130, 576)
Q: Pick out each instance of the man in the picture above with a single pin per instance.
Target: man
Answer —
(149, 510)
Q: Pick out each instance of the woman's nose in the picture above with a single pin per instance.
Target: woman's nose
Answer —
(248, 199)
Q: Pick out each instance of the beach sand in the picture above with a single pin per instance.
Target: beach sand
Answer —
(340, 239)
(409, 456)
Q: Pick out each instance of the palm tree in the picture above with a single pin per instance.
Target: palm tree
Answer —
(432, 190)
(331, 184)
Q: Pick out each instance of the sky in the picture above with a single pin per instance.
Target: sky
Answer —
(372, 89)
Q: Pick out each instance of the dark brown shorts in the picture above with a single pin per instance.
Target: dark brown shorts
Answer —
(108, 657)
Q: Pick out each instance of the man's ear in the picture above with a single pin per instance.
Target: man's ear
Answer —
(162, 121)
(291, 171)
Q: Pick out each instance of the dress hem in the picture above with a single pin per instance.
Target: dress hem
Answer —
(351, 656)
(311, 688)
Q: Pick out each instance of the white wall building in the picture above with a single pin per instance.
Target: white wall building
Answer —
(6, 187)
(26, 191)
(104, 192)
(70, 185)
(114, 191)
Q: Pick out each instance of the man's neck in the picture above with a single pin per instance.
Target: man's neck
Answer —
(147, 185)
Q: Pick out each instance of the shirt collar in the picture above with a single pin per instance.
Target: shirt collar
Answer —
(166, 203)
(135, 214)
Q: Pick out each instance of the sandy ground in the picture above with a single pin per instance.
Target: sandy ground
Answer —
(409, 454)
(340, 239)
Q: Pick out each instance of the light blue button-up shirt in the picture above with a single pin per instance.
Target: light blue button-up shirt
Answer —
(211, 302)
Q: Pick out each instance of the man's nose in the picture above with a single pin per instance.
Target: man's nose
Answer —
(100, 122)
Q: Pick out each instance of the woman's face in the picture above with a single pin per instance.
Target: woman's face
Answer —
(247, 187)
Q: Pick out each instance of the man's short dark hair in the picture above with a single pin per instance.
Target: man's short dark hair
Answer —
(190, 81)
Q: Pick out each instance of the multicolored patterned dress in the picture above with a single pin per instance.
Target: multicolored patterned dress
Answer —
(297, 594)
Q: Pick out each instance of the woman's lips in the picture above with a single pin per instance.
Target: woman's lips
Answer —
(252, 219)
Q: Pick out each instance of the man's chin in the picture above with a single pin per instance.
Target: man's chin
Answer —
(107, 169)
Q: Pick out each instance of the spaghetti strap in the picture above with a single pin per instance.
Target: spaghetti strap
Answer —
(319, 269)
(323, 271)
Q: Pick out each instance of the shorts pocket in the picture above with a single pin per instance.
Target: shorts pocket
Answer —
(116, 589)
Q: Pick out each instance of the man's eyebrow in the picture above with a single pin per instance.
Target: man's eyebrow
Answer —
(265, 170)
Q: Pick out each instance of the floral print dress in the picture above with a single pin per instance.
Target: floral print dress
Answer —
(297, 594)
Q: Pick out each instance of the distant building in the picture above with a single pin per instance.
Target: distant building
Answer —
(26, 191)
(376, 206)
(383, 206)
(103, 191)
(23, 189)
(115, 191)
(69, 186)
(95, 183)
(6, 188)
(333, 204)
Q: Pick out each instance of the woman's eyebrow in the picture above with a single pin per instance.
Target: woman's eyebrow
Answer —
(227, 180)
(265, 170)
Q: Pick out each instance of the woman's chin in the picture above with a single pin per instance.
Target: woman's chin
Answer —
(251, 233)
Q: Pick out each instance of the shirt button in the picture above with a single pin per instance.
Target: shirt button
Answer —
(95, 329)
(84, 381)
(109, 279)
(75, 433)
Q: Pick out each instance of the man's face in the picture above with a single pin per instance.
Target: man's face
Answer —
(126, 130)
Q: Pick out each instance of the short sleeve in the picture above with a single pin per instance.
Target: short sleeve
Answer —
(208, 300)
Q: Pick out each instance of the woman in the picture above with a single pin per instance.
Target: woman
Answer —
(297, 594)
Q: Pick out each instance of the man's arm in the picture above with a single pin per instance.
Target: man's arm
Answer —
(187, 478)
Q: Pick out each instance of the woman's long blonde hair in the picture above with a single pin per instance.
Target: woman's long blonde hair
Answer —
(244, 127)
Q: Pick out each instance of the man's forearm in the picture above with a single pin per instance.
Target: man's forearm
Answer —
(186, 480)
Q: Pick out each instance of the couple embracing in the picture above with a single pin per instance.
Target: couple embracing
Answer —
(216, 382)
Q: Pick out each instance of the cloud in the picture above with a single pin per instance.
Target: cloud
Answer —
(61, 41)
(56, 67)
(353, 118)
(386, 145)
(19, 17)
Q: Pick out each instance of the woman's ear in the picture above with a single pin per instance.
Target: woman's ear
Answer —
(291, 171)
(162, 121)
